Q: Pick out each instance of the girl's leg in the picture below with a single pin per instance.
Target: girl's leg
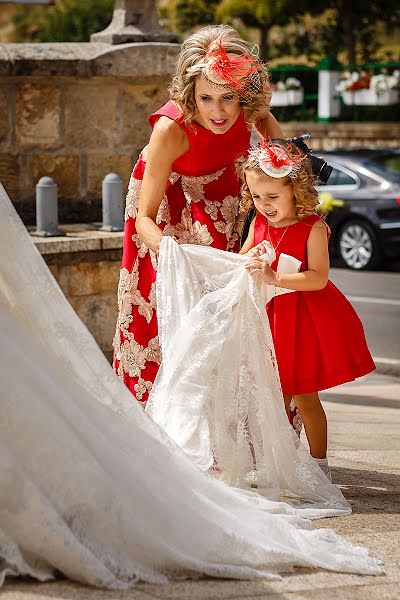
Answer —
(315, 424)
(287, 400)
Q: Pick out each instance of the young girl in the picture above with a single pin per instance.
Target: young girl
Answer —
(319, 339)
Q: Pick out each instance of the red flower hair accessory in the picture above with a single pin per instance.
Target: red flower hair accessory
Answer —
(277, 160)
(237, 71)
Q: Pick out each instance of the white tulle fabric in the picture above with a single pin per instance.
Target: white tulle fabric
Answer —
(91, 486)
(217, 393)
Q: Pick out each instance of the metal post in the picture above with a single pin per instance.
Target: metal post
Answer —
(113, 203)
(47, 208)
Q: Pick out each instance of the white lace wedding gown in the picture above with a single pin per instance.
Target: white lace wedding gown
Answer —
(92, 487)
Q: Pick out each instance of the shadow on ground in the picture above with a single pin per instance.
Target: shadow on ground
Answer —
(369, 491)
(360, 400)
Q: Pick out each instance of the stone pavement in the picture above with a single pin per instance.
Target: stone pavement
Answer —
(364, 419)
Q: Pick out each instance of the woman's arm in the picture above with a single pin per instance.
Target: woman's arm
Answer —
(315, 278)
(268, 126)
(249, 243)
(167, 143)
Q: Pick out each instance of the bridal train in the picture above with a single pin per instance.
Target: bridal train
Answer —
(92, 487)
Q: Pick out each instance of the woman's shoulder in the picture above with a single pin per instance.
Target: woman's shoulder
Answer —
(170, 111)
(168, 134)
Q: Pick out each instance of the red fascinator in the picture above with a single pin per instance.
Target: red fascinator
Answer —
(238, 71)
(278, 160)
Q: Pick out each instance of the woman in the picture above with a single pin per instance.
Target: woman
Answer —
(185, 183)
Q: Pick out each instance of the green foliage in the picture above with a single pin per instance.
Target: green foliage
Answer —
(332, 25)
(259, 13)
(185, 14)
(67, 21)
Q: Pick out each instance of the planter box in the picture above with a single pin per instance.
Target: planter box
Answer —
(371, 98)
(287, 97)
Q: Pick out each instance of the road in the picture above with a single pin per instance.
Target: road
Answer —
(376, 298)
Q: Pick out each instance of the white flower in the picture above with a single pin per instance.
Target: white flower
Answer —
(292, 83)
(342, 86)
(280, 86)
(382, 83)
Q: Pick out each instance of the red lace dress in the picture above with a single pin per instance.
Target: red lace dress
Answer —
(319, 339)
(200, 206)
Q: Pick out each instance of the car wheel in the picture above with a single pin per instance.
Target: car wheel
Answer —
(358, 246)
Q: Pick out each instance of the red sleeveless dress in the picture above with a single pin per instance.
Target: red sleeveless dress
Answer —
(200, 206)
(319, 339)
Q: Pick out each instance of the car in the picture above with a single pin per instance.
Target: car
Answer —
(366, 227)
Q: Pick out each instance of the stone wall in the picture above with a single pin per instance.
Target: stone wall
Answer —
(76, 112)
(86, 265)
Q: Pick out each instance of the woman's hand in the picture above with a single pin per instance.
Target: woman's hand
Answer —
(258, 266)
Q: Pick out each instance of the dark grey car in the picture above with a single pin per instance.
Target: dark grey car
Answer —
(366, 229)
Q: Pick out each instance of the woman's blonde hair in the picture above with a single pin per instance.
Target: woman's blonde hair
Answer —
(194, 50)
(305, 195)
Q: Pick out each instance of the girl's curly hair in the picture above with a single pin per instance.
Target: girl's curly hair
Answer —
(305, 194)
(194, 50)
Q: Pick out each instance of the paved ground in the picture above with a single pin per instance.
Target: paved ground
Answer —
(364, 419)
(376, 298)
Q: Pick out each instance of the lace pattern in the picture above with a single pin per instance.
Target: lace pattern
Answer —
(199, 220)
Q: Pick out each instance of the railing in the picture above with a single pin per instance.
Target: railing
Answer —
(309, 78)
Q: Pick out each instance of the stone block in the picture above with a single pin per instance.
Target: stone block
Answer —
(10, 174)
(5, 115)
(142, 62)
(91, 115)
(38, 116)
(138, 102)
(101, 164)
(63, 169)
(86, 278)
(99, 313)
(57, 245)
(54, 269)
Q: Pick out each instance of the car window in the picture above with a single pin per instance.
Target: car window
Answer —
(339, 177)
(387, 166)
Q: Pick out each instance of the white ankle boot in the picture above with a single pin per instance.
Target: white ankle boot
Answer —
(323, 465)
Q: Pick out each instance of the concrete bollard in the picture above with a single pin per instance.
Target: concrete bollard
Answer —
(113, 203)
(47, 208)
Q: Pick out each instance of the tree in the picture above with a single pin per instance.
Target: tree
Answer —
(67, 21)
(187, 13)
(357, 21)
(261, 15)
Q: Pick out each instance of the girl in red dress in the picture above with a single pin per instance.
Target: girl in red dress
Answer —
(185, 183)
(319, 339)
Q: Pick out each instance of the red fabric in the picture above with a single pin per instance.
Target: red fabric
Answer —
(208, 151)
(200, 206)
(319, 339)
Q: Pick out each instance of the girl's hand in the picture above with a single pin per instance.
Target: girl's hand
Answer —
(259, 249)
(258, 266)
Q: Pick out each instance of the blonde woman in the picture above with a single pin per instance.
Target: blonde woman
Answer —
(185, 183)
